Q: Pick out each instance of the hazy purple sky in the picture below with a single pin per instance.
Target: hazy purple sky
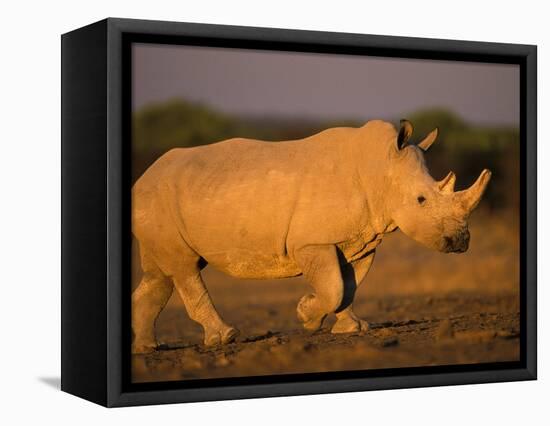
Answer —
(254, 82)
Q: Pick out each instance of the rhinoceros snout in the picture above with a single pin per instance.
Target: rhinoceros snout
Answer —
(457, 243)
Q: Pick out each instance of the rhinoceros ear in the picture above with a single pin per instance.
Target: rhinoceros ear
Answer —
(405, 133)
(428, 140)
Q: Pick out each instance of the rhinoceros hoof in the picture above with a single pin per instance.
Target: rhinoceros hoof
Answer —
(221, 337)
(307, 315)
(143, 348)
(349, 325)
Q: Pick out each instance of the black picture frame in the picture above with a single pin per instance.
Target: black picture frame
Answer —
(96, 204)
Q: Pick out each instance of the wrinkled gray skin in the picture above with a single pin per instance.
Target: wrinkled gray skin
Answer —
(316, 207)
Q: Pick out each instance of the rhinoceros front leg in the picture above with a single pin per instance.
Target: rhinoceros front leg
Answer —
(320, 267)
(353, 274)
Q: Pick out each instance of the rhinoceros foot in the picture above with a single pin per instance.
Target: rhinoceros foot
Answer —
(349, 324)
(221, 337)
(308, 313)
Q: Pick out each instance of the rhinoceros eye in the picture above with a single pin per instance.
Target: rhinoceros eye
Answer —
(421, 199)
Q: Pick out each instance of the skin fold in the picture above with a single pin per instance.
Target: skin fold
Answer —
(316, 207)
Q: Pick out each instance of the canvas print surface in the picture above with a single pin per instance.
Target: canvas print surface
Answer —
(304, 212)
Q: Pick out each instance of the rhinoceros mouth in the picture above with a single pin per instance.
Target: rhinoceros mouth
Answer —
(456, 250)
(458, 243)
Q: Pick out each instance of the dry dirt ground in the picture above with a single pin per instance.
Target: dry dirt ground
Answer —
(424, 309)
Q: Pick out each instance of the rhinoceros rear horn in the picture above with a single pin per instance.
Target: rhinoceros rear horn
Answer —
(405, 133)
(472, 196)
(447, 184)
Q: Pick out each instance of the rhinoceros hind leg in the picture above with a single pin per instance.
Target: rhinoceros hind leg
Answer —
(148, 300)
(195, 296)
(320, 267)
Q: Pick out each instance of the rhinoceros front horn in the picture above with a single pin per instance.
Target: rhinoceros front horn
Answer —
(472, 196)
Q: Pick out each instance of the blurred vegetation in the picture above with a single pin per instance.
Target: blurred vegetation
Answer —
(462, 147)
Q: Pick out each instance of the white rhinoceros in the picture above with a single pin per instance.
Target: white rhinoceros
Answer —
(316, 207)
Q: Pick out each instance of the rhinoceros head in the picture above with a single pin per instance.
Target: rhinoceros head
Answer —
(429, 211)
